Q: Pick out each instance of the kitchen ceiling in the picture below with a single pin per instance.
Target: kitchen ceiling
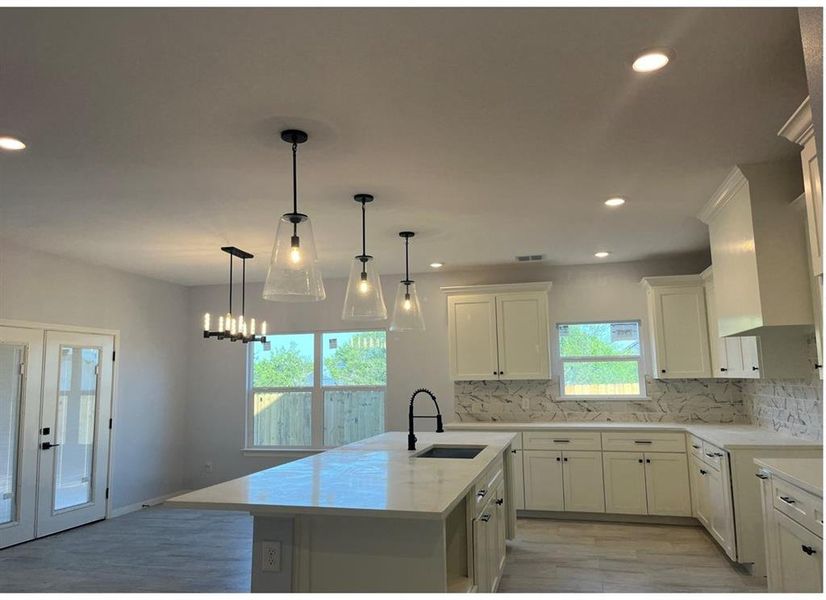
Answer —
(153, 134)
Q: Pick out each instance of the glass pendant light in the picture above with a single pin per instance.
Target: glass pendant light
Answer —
(407, 312)
(294, 275)
(364, 300)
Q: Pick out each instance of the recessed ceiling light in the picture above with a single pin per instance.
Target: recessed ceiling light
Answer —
(615, 201)
(602, 254)
(437, 265)
(652, 60)
(11, 143)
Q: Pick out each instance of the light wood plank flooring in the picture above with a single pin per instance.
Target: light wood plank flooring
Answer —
(172, 550)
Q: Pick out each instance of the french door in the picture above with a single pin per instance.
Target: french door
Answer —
(54, 430)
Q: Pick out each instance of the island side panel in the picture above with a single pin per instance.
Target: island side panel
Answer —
(364, 554)
(278, 530)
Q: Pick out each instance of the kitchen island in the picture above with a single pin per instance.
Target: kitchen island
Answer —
(374, 517)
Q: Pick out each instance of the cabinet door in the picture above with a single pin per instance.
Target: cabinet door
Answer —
(481, 558)
(814, 204)
(721, 514)
(734, 357)
(543, 480)
(799, 555)
(518, 481)
(472, 337)
(750, 353)
(501, 527)
(522, 333)
(666, 484)
(681, 332)
(699, 492)
(624, 474)
(582, 482)
(717, 345)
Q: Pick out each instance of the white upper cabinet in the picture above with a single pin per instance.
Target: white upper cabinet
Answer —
(500, 334)
(800, 130)
(758, 252)
(679, 326)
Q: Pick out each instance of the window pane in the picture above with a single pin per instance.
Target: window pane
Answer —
(354, 358)
(599, 339)
(10, 396)
(605, 378)
(282, 419)
(288, 362)
(350, 416)
(75, 428)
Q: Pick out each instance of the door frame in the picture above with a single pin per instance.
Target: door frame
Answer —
(115, 333)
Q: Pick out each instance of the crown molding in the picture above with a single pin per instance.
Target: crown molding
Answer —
(799, 128)
(672, 281)
(535, 286)
(730, 186)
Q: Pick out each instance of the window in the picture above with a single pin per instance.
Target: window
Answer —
(601, 360)
(317, 389)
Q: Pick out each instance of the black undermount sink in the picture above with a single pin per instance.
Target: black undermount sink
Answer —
(451, 452)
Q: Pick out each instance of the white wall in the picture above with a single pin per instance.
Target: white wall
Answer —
(216, 388)
(149, 428)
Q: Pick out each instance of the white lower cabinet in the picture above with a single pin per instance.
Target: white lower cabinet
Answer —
(569, 481)
(666, 484)
(518, 480)
(489, 549)
(799, 558)
(624, 474)
(713, 505)
(543, 480)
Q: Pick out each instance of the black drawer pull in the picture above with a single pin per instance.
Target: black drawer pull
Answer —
(703, 472)
(723, 369)
(558, 459)
(808, 549)
(761, 476)
(643, 442)
(500, 501)
(513, 451)
(695, 447)
(562, 441)
(787, 499)
(639, 460)
(485, 518)
(482, 493)
(565, 459)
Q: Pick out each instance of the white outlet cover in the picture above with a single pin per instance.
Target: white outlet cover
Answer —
(271, 557)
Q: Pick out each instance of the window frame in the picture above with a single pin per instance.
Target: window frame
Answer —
(640, 358)
(316, 393)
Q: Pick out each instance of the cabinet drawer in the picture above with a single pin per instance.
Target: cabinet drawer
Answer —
(713, 455)
(695, 445)
(483, 489)
(801, 507)
(561, 440)
(643, 441)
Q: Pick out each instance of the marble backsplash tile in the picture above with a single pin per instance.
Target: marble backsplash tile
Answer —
(683, 401)
(793, 406)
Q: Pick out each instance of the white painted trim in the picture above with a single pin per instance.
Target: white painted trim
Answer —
(730, 186)
(536, 286)
(129, 508)
(58, 327)
(799, 128)
(708, 274)
(672, 281)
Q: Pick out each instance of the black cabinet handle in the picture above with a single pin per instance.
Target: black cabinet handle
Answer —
(662, 370)
(643, 442)
(710, 454)
(808, 549)
(558, 459)
(47, 445)
(817, 366)
(695, 447)
(45, 431)
(787, 499)
(648, 460)
(513, 451)
(562, 441)
(761, 476)
(501, 372)
(500, 501)
(639, 460)
(755, 368)
(565, 459)
(482, 493)
(723, 369)
(718, 454)
(703, 472)
(485, 518)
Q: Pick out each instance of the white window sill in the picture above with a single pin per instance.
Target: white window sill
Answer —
(604, 398)
(293, 452)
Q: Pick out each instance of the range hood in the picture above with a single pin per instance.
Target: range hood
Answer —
(758, 251)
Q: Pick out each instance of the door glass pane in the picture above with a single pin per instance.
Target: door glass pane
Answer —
(352, 415)
(75, 425)
(10, 396)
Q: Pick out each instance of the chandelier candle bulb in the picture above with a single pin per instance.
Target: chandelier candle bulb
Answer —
(206, 321)
(252, 327)
(264, 329)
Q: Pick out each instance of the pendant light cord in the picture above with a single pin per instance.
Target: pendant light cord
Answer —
(230, 284)
(407, 264)
(295, 188)
(363, 230)
(243, 285)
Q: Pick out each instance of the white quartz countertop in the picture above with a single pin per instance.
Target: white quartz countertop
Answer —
(805, 473)
(375, 477)
(728, 437)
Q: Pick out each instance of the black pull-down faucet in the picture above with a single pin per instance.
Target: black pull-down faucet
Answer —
(411, 438)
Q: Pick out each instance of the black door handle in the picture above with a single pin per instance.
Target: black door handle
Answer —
(47, 445)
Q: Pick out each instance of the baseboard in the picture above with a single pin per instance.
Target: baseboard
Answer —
(125, 510)
(607, 517)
